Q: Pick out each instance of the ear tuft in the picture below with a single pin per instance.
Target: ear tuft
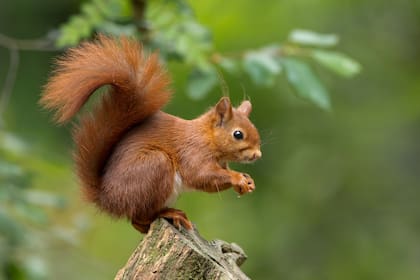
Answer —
(223, 110)
(245, 107)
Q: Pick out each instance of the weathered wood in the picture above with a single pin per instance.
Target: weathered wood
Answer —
(167, 253)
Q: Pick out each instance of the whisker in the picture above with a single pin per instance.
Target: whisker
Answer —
(223, 85)
(244, 95)
(218, 193)
(268, 137)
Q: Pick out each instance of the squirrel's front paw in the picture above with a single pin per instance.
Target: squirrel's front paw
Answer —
(244, 185)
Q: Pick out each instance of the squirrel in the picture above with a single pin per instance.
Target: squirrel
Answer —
(131, 158)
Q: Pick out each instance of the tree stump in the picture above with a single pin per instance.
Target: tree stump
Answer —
(168, 253)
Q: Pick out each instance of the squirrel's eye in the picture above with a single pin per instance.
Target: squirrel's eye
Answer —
(238, 135)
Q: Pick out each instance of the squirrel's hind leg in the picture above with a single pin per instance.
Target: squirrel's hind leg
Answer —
(177, 217)
(137, 185)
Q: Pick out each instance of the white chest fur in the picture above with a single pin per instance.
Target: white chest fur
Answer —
(178, 188)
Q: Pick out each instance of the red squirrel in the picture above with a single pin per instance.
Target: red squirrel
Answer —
(132, 159)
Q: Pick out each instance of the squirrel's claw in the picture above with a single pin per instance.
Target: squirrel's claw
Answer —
(177, 217)
(245, 185)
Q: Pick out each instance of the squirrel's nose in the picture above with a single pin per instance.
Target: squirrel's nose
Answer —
(257, 154)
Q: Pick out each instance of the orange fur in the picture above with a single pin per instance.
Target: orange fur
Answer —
(130, 155)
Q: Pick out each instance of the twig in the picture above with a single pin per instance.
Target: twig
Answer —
(139, 8)
(14, 46)
(9, 81)
(28, 45)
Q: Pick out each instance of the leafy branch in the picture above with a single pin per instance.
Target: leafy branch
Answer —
(171, 27)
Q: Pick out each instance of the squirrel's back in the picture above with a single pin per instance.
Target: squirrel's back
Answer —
(138, 89)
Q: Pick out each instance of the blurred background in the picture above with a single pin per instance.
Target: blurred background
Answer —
(337, 192)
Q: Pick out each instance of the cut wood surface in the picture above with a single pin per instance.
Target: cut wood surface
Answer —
(168, 253)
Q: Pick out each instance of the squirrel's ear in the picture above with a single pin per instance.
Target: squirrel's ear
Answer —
(245, 107)
(223, 110)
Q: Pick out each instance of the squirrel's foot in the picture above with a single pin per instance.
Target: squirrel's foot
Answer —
(140, 226)
(177, 217)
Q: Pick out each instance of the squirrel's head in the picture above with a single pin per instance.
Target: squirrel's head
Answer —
(234, 135)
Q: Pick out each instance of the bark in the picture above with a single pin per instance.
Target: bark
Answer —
(169, 253)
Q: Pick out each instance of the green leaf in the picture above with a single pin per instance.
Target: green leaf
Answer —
(104, 7)
(229, 65)
(126, 9)
(42, 198)
(196, 30)
(262, 66)
(200, 82)
(68, 37)
(96, 14)
(8, 169)
(10, 229)
(114, 9)
(113, 28)
(35, 267)
(337, 62)
(306, 84)
(93, 15)
(32, 213)
(12, 144)
(82, 26)
(75, 30)
(307, 37)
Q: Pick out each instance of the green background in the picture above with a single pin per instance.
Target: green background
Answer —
(337, 192)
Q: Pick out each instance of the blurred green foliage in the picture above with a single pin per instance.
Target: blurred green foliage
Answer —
(337, 193)
(23, 211)
(172, 28)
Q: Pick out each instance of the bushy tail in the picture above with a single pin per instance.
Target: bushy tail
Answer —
(139, 88)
